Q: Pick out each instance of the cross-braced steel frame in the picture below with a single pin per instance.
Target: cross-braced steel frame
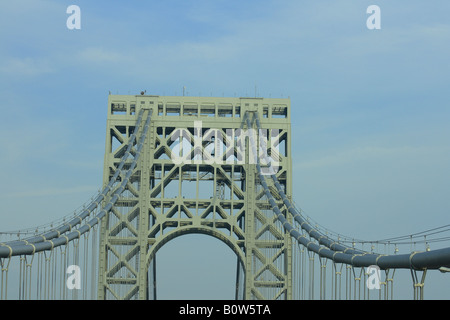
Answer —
(196, 174)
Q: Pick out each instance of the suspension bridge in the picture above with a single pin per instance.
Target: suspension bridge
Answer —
(221, 167)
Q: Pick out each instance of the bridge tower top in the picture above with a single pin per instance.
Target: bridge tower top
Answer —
(275, 109)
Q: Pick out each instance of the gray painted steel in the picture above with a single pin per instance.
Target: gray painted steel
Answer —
(336, 252)
(166, 199)
(64, 234)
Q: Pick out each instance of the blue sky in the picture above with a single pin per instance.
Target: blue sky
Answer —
(370, 108)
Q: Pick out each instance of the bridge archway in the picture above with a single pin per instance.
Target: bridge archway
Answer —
(192, 261)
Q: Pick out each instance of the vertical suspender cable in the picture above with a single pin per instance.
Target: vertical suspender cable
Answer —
(85, 264)
(4, 280)
(93, 260)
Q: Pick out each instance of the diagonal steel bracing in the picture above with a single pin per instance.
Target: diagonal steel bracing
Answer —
(196, 174)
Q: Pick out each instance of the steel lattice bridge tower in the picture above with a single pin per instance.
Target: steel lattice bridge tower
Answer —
(196, 174)
(202, 165)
